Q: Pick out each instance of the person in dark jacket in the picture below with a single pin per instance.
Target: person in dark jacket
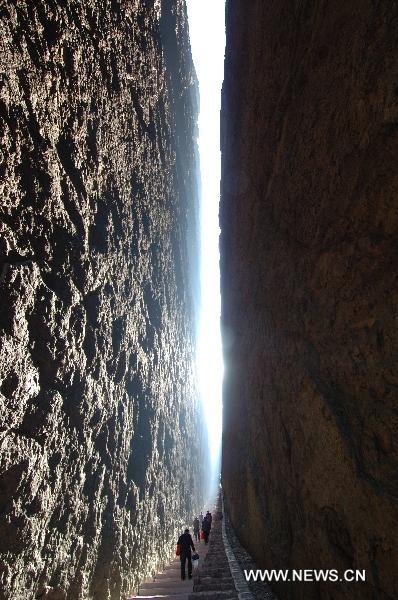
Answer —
(206, 526)
(186, 543)
(196, 529)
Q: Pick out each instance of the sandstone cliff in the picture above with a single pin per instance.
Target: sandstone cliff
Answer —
(309, 219)
(100, 434)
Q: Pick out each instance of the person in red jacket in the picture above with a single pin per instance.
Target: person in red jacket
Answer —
(186, 543)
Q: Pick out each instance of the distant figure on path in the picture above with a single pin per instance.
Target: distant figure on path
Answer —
(196, 529)
(201, 517)
(209, 517)
(186, 543)
(206, 526)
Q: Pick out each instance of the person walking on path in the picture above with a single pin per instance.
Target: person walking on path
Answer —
(196, 529)
(186, 543)
(201, 517)
(206, 526)
(209, 517)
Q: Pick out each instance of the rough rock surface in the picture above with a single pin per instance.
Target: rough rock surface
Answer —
(259, 589)
(100, 424)
(308, 256)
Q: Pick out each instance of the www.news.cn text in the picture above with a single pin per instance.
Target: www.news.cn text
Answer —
(305, 575)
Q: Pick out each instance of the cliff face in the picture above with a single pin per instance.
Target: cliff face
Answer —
(100, 456)
(308, 256)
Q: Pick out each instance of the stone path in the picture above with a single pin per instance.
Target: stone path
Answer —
(214, 580)
(167, 584)
(211, 581)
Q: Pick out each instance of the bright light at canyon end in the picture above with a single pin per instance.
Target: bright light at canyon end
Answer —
(207, 33)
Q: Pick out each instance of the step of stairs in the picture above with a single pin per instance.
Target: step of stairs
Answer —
(211, 581)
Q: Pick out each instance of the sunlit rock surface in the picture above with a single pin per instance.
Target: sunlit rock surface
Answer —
(100, 424)
(309, 259)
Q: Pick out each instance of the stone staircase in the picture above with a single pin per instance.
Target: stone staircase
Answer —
(167, 584)
(214, 580)
(211, 581)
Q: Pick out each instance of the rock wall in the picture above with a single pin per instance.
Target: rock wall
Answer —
(309, 219)
(100, 425)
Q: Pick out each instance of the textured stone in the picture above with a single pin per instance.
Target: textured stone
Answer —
(308, 255)
(258, 590)
(100, 424)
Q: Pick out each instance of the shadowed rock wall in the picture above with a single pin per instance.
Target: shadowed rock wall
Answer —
(100, 426)
(309, 218)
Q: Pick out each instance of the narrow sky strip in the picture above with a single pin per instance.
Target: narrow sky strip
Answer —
(207, 33)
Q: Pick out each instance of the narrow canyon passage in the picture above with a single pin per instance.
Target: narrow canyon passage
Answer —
(110, 375)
